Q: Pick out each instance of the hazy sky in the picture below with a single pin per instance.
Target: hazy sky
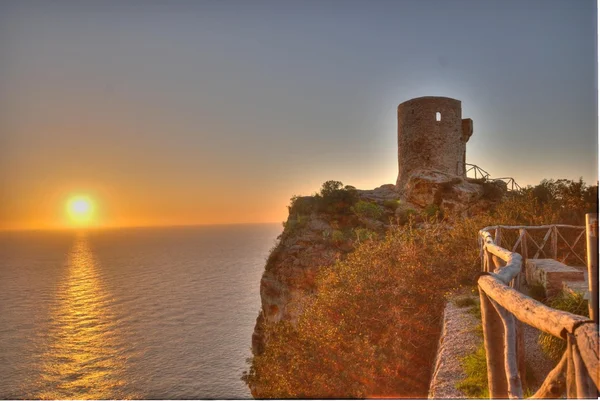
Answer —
(182, 112)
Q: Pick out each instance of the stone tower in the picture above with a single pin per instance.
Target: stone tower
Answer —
(432, 135)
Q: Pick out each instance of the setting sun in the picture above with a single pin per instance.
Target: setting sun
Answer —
(80, 210)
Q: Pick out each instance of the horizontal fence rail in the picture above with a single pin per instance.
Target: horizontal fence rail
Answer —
(504, 309)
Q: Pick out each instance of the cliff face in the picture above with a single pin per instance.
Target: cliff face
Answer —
(315, 237)
(309, 243)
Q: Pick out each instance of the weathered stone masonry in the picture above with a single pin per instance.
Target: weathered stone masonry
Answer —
(432, 135)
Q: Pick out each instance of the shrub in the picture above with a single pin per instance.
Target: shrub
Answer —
(358, 336)
(302, 205)
(555, 347)
(336, 199)
(294, 223)
(331, 188)
(337, 236)
(363, 234)
(367, 210)
(405, 215)
(372, 323)
(433, 210)
(391, 204)
(493, 191)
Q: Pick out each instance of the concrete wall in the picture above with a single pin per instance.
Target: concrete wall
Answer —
(425, 143)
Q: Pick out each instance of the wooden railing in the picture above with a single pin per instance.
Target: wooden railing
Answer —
(476, 170)
(511, 184)
(504, 308)
(479, 173)
(563, 242)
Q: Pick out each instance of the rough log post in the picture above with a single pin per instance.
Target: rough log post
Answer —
(515, 390)
(555, 384)
(516, 285)
(554, 243)
(585, 385)
(484, 260)
(491, 266)
(521, 351)
(571, 381)
(587, 342)
(493, 342)
(591, 227)
(523, 232)
(498, 236)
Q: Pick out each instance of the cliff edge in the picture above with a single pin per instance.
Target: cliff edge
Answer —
(326, 227)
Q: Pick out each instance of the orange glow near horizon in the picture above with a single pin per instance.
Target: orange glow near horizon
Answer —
(102, 206)
(80, 210)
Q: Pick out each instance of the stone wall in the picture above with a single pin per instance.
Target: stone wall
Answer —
(426, 143)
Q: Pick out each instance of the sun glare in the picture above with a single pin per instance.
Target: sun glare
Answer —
(80, 210)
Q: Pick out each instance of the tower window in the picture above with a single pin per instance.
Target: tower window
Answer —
(438, 116)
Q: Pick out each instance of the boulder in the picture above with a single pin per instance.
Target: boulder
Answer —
(451, 193)
(379, 194)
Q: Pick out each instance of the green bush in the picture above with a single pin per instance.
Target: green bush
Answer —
(336, 199)
(302, 205)
(391, 204)
(574, 303)
(367, 209)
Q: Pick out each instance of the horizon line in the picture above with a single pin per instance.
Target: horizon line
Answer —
(101, 228)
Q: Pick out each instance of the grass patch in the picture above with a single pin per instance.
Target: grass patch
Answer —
(464, 301)
(475, 385)
(555, 347)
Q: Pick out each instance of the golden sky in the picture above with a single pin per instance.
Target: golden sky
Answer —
(197, 113)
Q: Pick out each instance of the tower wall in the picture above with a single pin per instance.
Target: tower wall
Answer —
(425, 143)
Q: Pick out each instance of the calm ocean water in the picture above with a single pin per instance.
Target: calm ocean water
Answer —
(153, 313)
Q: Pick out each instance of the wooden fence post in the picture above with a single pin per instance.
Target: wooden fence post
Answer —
(583, 382)
(523, 235)
(571, 379)
(554, 243)
(591, 228)
(493, 338)
(511, 367)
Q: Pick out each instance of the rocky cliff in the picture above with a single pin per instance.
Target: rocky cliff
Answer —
(323, 228)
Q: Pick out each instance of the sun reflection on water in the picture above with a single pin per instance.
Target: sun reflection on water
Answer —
(84, 358)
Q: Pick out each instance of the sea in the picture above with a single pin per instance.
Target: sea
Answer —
(137, 313)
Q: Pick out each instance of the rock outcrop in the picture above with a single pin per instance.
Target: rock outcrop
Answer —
(451, 193)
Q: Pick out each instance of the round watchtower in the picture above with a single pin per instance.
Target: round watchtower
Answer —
(431, 135)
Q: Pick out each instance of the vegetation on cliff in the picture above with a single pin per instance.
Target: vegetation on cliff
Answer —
(372, 326)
